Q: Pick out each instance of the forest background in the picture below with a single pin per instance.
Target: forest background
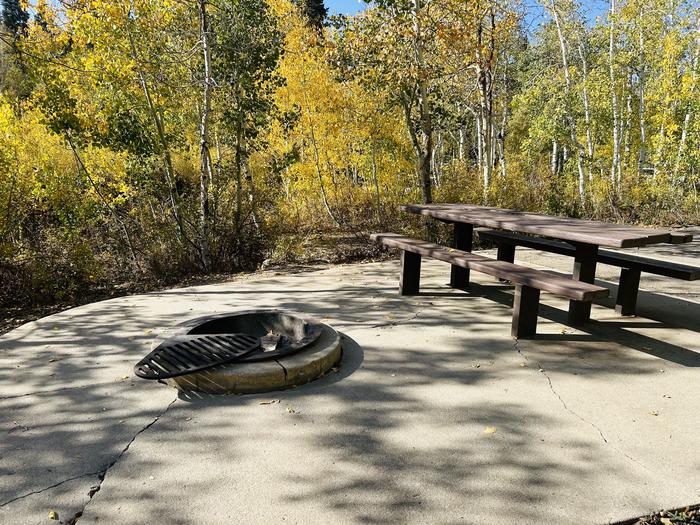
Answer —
(144, 141)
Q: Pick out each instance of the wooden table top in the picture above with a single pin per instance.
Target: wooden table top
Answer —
(566, 229)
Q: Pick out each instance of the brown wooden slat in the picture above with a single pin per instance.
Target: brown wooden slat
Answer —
(644, 264)
(536, 243)
(564, 228)
(624, 260)
(517, 274)
(680, 237)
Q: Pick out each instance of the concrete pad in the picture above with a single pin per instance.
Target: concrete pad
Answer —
(435, 416)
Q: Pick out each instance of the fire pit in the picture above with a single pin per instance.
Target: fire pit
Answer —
(252, 351)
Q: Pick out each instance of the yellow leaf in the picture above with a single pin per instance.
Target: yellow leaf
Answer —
(490, 430)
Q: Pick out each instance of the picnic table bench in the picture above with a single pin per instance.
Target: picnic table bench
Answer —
(578, 238)
(631, 265)
(528, 281)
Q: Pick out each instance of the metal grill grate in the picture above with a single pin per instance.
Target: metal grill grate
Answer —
(193, 353)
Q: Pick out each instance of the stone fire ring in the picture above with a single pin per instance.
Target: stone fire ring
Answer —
(247, 378)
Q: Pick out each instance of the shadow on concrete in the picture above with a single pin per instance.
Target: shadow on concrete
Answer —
(668, 312)
(76, 413)
(350, 360)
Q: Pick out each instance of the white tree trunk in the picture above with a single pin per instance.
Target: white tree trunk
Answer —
(424, 146)
(586, 106)
(688, 113)
(571, 119)
(641, 160)
(614, 173)
(205, 173)
(626, 130)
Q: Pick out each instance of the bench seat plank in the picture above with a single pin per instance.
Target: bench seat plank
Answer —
(625, 260)
(646, 265)
(522, 275)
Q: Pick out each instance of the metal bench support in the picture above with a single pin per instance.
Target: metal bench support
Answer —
(409, 283)
(459, 277)
(525, 307)
(627, 290)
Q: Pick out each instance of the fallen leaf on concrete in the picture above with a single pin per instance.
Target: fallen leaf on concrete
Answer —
(269, 402)
(654, 413)
(147, 331)
(290, 410)
(490, 430)
(53, 515)
(17, 425)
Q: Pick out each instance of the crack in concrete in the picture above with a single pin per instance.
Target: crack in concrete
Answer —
(284, 369)
(101, 473)
(32, 493)
(400, 321)
(581, 418)
(39, 392)
(561, 400)
(63, 389)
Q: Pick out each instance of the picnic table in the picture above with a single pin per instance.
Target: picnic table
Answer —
(585, 236)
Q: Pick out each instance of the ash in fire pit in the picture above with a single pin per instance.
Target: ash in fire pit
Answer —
(250, 351)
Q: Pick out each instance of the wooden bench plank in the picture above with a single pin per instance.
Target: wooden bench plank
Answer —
(623, 260)
(522, 275)
(681, 237)
(653, 266)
